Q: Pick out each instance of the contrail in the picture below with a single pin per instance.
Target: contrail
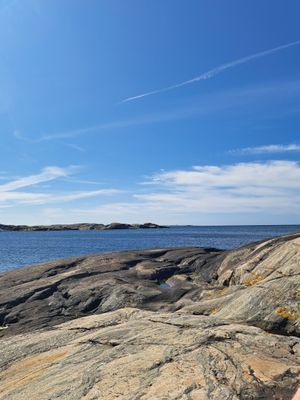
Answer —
(215, 71)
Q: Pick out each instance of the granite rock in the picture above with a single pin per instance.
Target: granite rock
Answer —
(190, 324)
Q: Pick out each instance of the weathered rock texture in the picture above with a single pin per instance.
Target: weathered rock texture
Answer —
(134, 354)
(259, 285)
(47, 294)
(187, 324)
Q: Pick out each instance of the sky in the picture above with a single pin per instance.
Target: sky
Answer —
(173, 111)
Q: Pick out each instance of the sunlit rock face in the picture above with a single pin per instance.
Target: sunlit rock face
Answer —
(159, 324)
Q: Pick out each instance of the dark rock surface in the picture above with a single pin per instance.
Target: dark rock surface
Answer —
(190, 324)
(47, 294)
(78, 227)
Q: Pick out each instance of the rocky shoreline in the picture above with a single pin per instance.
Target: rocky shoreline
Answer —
(78, 227)
(187, 323)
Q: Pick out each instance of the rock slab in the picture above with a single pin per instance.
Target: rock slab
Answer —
(191, 324)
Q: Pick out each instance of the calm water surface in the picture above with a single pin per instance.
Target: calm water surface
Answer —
(24, 248)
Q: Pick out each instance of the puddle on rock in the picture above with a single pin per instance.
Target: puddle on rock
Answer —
(164, 285)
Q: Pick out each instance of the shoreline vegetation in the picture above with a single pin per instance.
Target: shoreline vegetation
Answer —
(78, 227)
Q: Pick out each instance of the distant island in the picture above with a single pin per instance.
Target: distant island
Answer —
(78, 227)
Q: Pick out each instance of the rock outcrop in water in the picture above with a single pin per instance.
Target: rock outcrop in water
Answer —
(157, 324)
(78, 227)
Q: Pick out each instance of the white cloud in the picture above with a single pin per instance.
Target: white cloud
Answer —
(256, 175)
(66, 197)
(46, 175)
(22, 197)
(252, 192)
(270, 149)
(244, 187)
(215, 71)
(236, 193)
(11, 195)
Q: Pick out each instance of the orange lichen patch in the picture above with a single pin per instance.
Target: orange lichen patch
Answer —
(218, 292)
(23, 381)
(253, 279)
(287, 313)
(213, 310)
(27, 370)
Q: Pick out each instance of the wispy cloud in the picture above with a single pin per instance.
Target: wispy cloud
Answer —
(18, 135)
(269, 149)
(210, 193)
(76, 147)
(83, 181)
(214, 71)
(83, 194)
(76, 132)
(11, 195)
(271, 187)
(271, 174)
(235, 99)
(46, 175)
(68, 197)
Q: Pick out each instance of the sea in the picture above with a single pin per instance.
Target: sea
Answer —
(18, 249)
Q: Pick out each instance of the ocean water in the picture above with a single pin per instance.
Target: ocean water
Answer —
(18, 249)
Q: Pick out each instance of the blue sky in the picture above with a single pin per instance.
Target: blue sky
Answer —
(217, 140)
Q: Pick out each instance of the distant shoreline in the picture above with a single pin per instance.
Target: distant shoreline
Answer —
(117, 225)
(77, 227)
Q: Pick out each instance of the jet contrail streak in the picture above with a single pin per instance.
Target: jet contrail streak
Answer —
(215, 71)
